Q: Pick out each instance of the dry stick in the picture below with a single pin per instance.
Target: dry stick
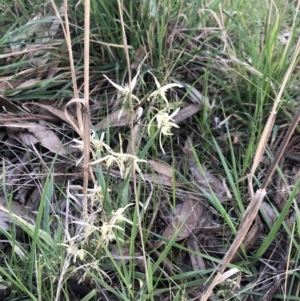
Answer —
(83, 129)
(256, 201)
(66, 30)
(264, 139)
(252, 208)
(281, 149)
(132, 140)
(73, 72)
(86, 113)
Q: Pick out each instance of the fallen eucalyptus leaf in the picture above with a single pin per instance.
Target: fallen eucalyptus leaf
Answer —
(186, 220)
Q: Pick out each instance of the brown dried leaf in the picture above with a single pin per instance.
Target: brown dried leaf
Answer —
(186, 112)
(4, 220)
(253, 234)
(28, 139)
(4, 86)
(196, 261)
(34, 199)
(120, 254)
(29, 83)
(202, 177)
(8, 119)
(270, 214)
(46, 137)
(59, 113)
(161, 168)
(136, 135)
(17, 209)
(251, 237)
(9, 84)
(186, 219)
(139, 55)
(161, 180)
(117, 118)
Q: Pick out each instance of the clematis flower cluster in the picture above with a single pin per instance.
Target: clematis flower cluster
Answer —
(123, 160)
(164, 123)
(101, 152)
(164, 117)
(107, 227)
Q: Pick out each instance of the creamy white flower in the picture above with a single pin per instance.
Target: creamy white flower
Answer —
(121, 159)
(74, 251)
(124, 90)
(117, 216)
(161, 90)
(97, 145)
(164, 123)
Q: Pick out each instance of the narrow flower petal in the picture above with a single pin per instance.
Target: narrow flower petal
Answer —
(156, 81)
(134, 80)
(169, 86)
(160, 144)
(174, 113)
(120, 88)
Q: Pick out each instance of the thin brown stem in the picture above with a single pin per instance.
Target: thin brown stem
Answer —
(86, 111)
(132, 140)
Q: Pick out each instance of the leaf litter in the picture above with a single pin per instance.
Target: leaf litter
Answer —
(189, 219)
(192, 221)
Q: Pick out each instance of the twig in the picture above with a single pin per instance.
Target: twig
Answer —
(86, 112)
(66, 30)
(120, 5)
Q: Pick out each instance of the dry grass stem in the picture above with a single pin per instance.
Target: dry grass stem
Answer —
(121, 10)
(86, 113)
